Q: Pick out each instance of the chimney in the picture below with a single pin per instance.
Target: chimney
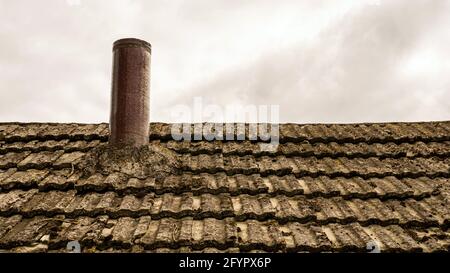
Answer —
(129, 118)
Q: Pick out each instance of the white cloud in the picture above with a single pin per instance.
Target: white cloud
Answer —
(321, 61)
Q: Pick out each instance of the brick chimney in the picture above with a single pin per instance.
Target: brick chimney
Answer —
(129, 118)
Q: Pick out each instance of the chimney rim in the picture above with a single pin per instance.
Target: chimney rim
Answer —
(132, 42)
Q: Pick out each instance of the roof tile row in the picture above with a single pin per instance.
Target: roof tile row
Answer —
(304, 149)
(431, 211)
(376, 132)
(354, 187)
(265, 165)
(122, 233)
(281, 165)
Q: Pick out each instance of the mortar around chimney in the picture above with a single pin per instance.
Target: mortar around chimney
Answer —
(129, 117)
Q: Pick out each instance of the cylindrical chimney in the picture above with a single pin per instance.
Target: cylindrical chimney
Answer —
(129, 119)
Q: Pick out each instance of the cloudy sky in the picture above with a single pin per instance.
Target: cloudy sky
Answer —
(320, 61)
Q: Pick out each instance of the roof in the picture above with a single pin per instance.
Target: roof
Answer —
(328, 187)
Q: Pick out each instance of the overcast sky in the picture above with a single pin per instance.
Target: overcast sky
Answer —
(320, 61)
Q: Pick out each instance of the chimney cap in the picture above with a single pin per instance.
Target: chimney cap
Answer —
(132, 42)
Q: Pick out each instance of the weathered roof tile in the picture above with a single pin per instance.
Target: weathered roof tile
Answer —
(10, 160)
(123, 232)
(39, 160)
(25, 178)
(68, 160)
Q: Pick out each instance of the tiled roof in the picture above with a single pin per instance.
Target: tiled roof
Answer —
(326, 188)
